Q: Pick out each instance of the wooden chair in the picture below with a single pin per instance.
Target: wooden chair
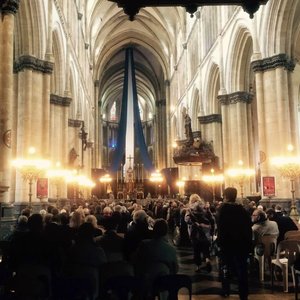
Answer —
(269, 243)
(172, 283)
(287, 252)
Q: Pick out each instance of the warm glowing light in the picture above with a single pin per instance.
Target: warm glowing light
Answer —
(156, 177)
(105, 178)
(213, 178)
(240, 174)
(180, 183)
(289, 167)
(31, 168)
(174, 145)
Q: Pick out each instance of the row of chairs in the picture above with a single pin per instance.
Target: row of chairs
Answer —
(116, 280)
(282, 256)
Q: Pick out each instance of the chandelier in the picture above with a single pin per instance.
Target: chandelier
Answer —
(131, 8)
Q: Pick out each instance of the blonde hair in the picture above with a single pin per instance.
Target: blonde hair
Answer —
(195, 198)
(91, 219)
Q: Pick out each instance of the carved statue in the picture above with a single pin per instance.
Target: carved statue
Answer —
(188, 127)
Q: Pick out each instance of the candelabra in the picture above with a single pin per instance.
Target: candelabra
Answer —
(31, 169)
(213, 179)
(106, 180)
(180, 184)
(289, 167)
(57, 176)
(157, 179)
(240, 175)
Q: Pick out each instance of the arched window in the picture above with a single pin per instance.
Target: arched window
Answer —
(112, 113)
(141, 112)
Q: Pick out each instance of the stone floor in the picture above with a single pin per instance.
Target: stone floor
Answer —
(206, 286)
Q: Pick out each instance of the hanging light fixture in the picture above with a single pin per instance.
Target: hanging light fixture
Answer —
(131, 8)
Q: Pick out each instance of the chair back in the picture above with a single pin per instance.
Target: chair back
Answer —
(172, 283)
(270, 243)
(289, 249)
(292, 235)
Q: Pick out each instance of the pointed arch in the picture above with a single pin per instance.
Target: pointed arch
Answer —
(211, 90)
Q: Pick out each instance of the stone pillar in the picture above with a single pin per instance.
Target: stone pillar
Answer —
(235, 130)
(59, 109)
(97, 162)
(7, 11)
(33, 78)
(211, 130)
(161, 133)
(274, 102)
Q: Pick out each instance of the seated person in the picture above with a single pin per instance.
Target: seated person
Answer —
(262, 225)
(110, 241)
(156, 250)
(284, 223)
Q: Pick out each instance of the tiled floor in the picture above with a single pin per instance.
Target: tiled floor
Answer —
(206, 286)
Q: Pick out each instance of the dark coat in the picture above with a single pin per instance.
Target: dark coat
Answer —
(234, 229)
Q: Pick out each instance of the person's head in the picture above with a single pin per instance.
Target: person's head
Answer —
(91, 219)
(107, 211)
(278, 209)
(86, 232)
(230, 194)
(35, 223)
(270, 213)
(111, 222)
(26, 212)
(195, 201)
(22, 222)
(258, 216)
(160, 228)
(139, 216)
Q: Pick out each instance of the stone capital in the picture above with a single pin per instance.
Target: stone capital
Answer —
(236, 97)
(74, 123)
(277, 61)
(31, 62)
(214, 118)
(59, 100)
(9, 6)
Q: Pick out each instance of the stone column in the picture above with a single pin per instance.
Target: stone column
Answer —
(211, 127)
(7, 11)
(98, 129)
(274, 104)
(160, 133)
(235, 130)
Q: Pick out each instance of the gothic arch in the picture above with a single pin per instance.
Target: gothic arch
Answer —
(239, 60)
(30, 29)
(195, 108)
(211, 90)
(283, 16)
(58, 78)
(73, 94)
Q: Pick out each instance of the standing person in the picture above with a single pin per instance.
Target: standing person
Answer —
(199, 227)
(235, 241)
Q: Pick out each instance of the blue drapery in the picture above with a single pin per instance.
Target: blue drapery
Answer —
(138, 129)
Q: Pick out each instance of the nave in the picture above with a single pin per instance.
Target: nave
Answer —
(206, 286)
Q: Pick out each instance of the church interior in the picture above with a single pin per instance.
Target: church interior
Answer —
(141, 102)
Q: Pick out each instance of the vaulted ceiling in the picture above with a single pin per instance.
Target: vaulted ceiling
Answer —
(152, 34)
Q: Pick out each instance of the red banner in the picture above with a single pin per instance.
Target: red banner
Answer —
(42, 188)
(269, 186)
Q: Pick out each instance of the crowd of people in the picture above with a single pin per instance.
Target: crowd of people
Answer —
(104, 231)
